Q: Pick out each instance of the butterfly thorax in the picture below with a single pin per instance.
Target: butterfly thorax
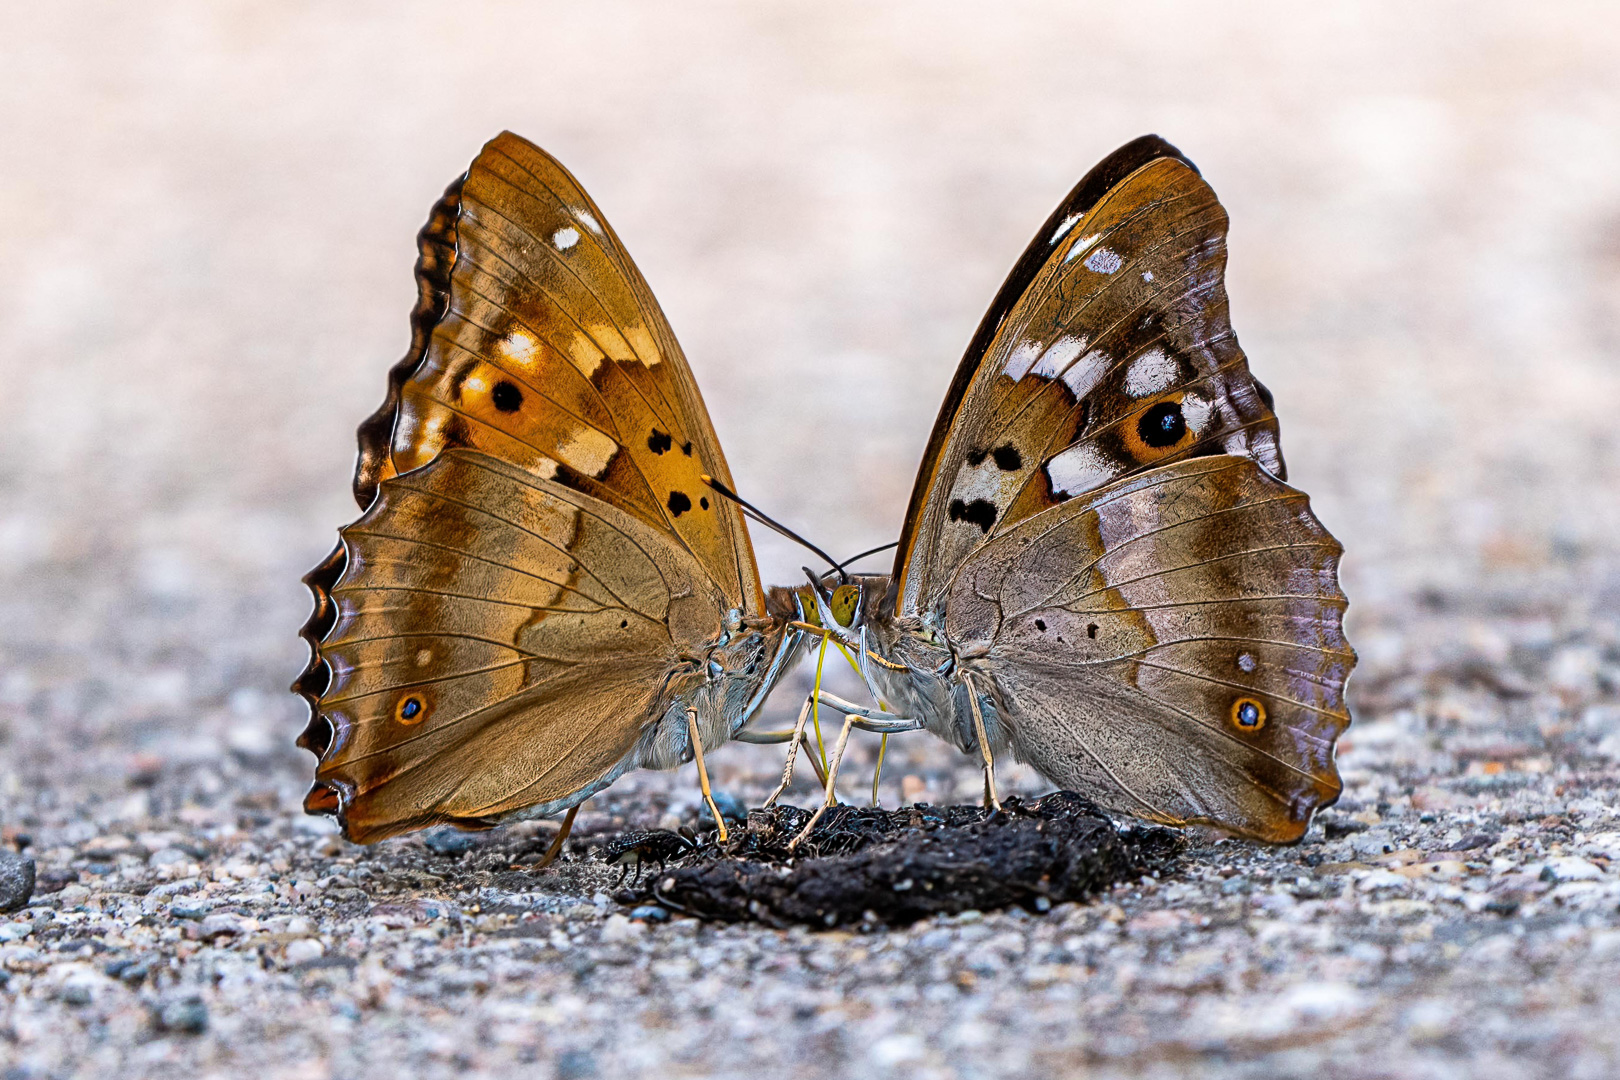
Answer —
(920, 672)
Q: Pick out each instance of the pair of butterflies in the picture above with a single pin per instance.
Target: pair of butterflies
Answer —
(1101, 568)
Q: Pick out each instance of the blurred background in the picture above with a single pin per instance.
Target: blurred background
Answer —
(206, 272)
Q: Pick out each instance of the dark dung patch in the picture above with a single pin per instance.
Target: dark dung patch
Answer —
(507, 397)
(902, 865)
(980, 512)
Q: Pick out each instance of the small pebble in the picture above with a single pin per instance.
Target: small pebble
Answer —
(16, 880)
(303, 950)
(189, 907)
(1570, 868)
(650, 913)
(188, 1016)
(731, 808)
(449, 841)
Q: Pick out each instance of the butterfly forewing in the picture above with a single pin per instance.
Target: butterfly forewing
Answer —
(1171, 643)
(549, 352)
(1108, 351)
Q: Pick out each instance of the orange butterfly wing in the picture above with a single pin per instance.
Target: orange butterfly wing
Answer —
(537, 341)
(539, 559)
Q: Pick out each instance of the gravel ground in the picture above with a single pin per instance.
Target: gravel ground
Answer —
(206, 275)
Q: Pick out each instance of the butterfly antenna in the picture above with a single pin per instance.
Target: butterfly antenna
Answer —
(839, 567)
(765, 519)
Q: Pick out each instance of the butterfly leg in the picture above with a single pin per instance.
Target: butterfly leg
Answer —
(990, 799)
(832, 776)
(557, 841)
(794, 741)
(870, 719)
(703, 772)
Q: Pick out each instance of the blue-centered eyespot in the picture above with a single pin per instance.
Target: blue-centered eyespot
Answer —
(1248, 714)
(410, 710)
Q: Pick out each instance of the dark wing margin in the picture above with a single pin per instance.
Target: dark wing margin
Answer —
(436, 257)
(1103, 178)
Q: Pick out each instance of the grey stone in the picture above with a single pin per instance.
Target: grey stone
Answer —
(449, 841)
(16, 880)
(187, 1016)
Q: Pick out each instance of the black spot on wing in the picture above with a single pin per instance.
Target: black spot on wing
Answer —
(1091, 631)
(1163, 425)
(507, 397)
(686, 447)
(659, 442)
(1008, 459)
(704, 502)
(679, 503)
(980, 512)
(975, 458)
(1040, 624)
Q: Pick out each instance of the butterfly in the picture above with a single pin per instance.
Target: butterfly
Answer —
(542, 593)
(1102, 569)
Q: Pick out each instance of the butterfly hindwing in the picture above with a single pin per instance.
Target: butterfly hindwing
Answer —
(1109, 350)
(498, 642)
(1171, 645)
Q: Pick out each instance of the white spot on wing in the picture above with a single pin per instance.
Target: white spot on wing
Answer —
(587, 450)
(588, 221)
(1196, 410)
(1056, 359)
(1078, 469)
(1081, 246)
(1246, 662)
(1150, 373)
(1104, 261)
(565, 238)
(520, 346)
(1059, 362)
(1064, 226)
(1022, 359)
(1147, 275)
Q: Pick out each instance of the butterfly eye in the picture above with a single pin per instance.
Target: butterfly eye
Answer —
(411, 710)
(808, 612)
(1248, 714)
(845, 599)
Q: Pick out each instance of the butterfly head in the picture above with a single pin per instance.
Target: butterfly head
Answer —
(833, 606)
